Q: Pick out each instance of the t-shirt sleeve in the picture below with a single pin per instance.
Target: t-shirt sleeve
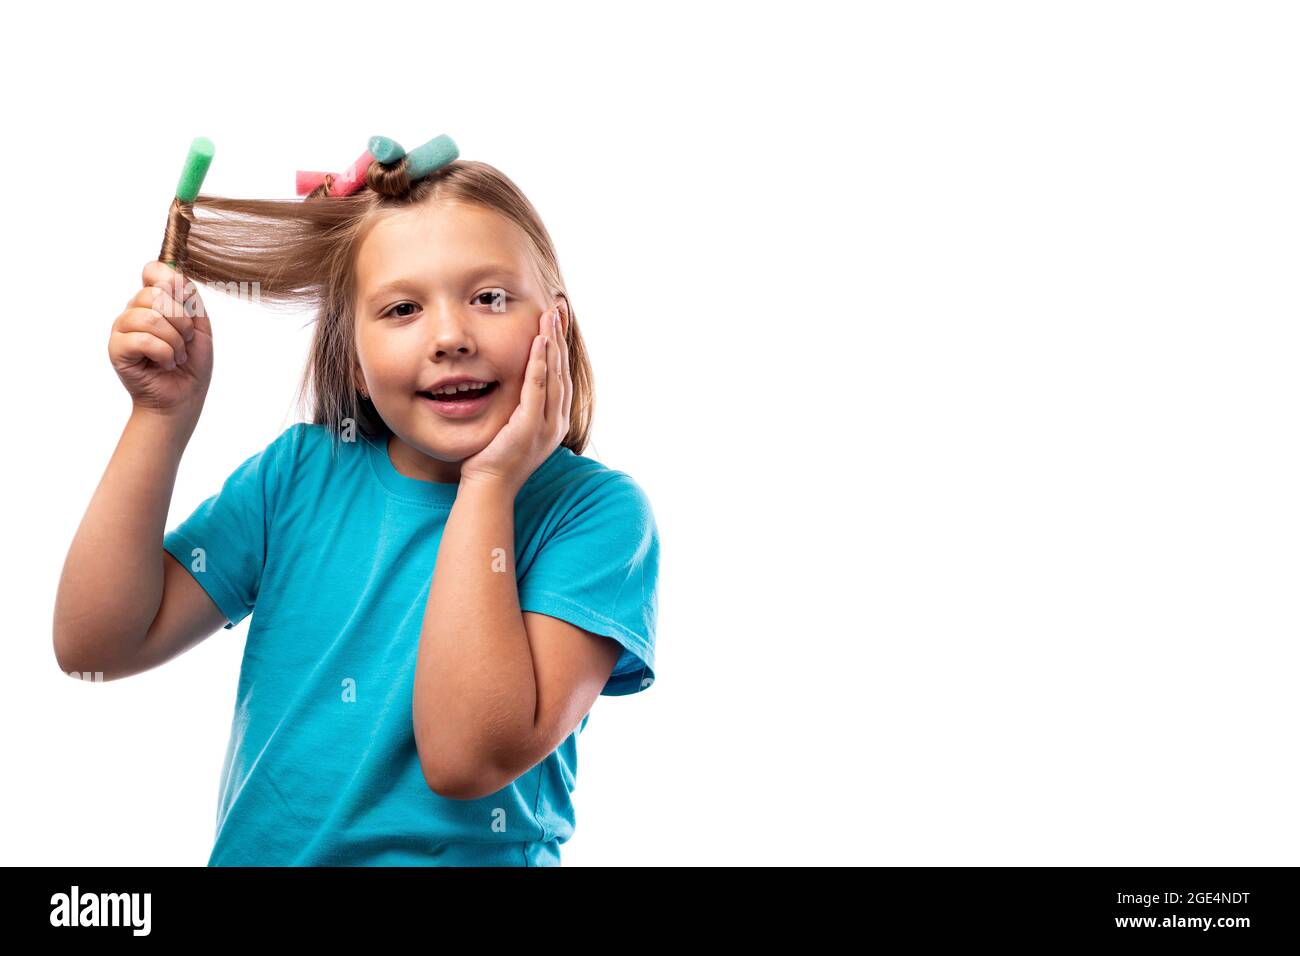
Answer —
(599, 570)
(223, 542)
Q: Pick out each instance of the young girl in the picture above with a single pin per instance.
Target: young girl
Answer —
(441, 583)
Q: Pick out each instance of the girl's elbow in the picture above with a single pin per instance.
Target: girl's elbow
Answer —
(457, 785)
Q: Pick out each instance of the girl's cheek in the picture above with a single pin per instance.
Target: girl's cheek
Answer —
(525, 349)
(514, 364)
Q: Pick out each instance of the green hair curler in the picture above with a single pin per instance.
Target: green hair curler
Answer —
(178, 221)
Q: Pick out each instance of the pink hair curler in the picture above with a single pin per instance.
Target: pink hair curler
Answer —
(309, 181)
(339, 184)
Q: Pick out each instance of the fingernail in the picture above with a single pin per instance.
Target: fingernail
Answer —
(181, 360)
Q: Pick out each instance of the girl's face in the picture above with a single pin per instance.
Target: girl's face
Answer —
(444, 290)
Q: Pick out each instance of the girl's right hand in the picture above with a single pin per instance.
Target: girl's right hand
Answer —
(161, 345)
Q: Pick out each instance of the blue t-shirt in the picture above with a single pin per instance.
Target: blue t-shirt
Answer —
(335, 549)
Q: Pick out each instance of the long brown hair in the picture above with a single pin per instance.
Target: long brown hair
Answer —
(303, 252)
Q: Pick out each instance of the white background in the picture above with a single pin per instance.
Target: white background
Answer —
(953, 343)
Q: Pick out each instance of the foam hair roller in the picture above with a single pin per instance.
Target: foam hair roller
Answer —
(420, 162)
(187, 190)
(386, 151)
(354, 178)
(337, 184)
(309, 181)
(434, 154)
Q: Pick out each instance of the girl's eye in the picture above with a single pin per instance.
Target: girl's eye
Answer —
(398, 306)
(495, 299)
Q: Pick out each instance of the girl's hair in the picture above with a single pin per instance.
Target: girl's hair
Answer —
(305, 251)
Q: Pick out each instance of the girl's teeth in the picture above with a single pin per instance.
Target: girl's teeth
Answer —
(456, 392)
(463, 387)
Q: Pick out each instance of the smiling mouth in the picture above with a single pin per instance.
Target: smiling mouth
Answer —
(469, 395)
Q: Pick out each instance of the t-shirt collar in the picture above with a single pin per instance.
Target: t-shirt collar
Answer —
(439, 494)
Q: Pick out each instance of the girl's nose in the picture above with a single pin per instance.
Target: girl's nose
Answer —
(450, 331)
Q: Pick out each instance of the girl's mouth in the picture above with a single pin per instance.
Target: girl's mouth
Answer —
(459, 404)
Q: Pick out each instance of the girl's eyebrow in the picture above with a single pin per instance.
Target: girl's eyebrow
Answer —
(395, 285)
(413, 284)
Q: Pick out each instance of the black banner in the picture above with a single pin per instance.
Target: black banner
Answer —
(1229, 906)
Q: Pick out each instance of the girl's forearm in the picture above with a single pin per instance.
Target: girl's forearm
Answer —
(475, 695)
(112, 581)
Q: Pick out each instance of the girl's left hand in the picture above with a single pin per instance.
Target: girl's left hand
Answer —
(540, 421)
